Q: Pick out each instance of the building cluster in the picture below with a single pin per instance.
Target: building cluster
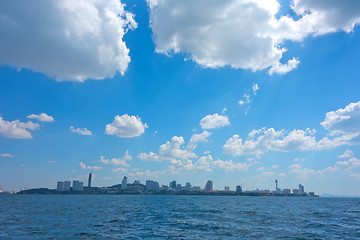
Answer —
(286, 191)
(154, 187)
(77, 186)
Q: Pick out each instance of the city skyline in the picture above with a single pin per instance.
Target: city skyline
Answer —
(244, 92)
(154, 187)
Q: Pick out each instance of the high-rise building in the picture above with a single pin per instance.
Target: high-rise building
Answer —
(89, 180)
(238, 189)
(67, 186)
(172, 184)
(209, 186)
(226, 188)
(124, 183)
(78, 186)
(187, 186)
(276, 185)
(60, 186)
(301, 189)
(152, 186)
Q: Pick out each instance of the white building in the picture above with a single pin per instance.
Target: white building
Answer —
(152, 186)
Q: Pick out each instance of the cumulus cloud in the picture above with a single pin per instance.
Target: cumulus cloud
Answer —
(280, 68)
(117, 161)
(347, 154)
(17, 129)
(343, 120)
(66, 40)
(81, 131)
(230, 166)
(42, 117)
(6, 155)
(171, 150)
(196, 138)
(119, 170)
(343, 126)
(84, 166)
(243, 33)
(126, 126)
(329, 16)
(214, 121)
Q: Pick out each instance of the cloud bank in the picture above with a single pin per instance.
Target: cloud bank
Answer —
(66, 40)
(244, 34)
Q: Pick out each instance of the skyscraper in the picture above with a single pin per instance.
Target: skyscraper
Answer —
(301, 189)
(77, 186)
(60, 186)
(124, 183)
(172, 184)
(67, 186)
(152, 186)
(89, 180)
(209, 186)
(238, 189)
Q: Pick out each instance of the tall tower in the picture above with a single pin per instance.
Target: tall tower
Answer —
(276, 183)
(89, 180)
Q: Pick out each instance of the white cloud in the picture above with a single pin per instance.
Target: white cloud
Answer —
(243, 33)
(260, 169)
(299, 159)
(17, 129)
(263, 140)
(246, 99)
(42, 117)
(196, 138)
(347, 154)
(281, 175)
(280, 68)
(6, 155)
(343, 126)
(255, 88)
(147, 173)
(230, 166)
(81, 131)
(214, 121)
(51, 161)
(67, 40)
(345, 120)
(119, 170)
(329, 16)
(118, 161)
(345, 166)
(84, 166)
(126, 126)
(171, 150)
(274, 166)
(202, 164)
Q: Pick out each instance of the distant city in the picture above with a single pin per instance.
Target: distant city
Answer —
(153, 187)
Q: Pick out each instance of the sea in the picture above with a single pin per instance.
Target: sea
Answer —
(177, 217)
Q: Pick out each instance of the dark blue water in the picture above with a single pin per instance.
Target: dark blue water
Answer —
(177, 217)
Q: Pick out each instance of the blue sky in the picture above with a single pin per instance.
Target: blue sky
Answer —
(240, 92)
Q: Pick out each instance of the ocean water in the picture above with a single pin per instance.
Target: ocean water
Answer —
(177, 217)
